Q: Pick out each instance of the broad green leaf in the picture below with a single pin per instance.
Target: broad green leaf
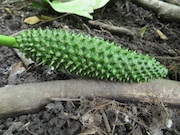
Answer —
(79, 7)
(100, 3)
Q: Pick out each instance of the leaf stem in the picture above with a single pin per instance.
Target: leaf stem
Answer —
(8, 41)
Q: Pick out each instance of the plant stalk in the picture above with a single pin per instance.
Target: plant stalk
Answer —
(8, 41)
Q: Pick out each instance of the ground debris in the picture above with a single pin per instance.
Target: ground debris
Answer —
(97, 116)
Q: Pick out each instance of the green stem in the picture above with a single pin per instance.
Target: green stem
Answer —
(8, 41)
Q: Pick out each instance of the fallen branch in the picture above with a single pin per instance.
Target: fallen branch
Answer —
(113, 29)
(32, 96)
(175, 2)
(169, 58)
(164, 10)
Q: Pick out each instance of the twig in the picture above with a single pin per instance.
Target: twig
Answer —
(165, 10)
(31, 131)
(169, 58)
(135, 120)
(56, 18)
(106, 122)
(64, 99)
(131, 132)
(95, 127)
(100, 107)
(112, 29)
(175, 2)
(87, 28)
(12, 2)
(115, 123)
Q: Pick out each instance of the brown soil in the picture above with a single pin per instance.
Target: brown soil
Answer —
(89, 116)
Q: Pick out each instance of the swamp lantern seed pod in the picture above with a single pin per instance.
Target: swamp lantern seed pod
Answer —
(87, 56)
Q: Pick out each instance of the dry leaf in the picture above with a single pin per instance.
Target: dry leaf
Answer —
(8, 10)
(162, 36)
(14, 71)
(32, 20)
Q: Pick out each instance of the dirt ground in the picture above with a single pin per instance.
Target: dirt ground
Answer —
(97, 116)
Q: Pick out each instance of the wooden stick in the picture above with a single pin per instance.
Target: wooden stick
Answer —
(113, 29)
(164, 10)
(32, 96)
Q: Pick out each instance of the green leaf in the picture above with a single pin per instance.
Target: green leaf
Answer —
(142, 31)
(100, 3)
(79, 7)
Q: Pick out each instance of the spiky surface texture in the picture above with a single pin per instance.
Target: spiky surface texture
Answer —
(87, 56)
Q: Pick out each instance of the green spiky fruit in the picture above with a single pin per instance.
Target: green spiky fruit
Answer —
(87, 56)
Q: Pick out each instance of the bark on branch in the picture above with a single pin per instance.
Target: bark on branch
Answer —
(32, 96)
(164, 10)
